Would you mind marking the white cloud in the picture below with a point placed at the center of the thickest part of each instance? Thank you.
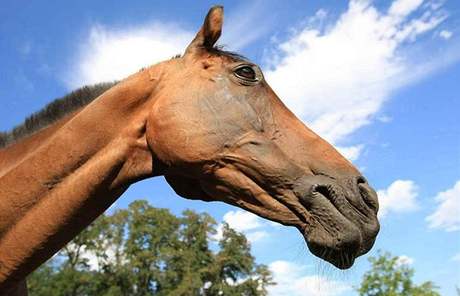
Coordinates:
(293, 280)
(110, 54)
(242, 220)
(447, 215)
(256, 235)
(399, 197)
(351, 153)
(404, 260)
(337, 75)
(404, 7)
(245, 222)
(445, 34)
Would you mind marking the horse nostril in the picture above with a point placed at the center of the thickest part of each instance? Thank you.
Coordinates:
(361, 180)
(367, 193)
(322, 189)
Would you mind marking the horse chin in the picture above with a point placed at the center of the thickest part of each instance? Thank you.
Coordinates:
(342, 258)
(187, 187)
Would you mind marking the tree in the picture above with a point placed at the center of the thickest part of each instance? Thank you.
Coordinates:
(391, 277)
(147, 251)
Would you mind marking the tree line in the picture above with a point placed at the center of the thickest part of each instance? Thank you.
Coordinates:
(144, 250)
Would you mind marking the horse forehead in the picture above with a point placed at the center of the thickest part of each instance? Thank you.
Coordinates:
(220, 58)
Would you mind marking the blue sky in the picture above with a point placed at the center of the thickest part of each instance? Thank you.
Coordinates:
(379, 79)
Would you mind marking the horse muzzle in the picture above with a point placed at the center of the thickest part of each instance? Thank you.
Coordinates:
(344, 217)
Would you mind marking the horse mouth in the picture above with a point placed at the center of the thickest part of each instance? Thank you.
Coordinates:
(334, 230)
(340, 233)
(340, 247)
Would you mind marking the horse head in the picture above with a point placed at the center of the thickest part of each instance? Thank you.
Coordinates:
(218, 132)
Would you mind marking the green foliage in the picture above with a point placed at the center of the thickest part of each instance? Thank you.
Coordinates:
(147, 251)
(390, 277)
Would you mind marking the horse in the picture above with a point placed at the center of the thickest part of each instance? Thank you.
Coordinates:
(211, 125)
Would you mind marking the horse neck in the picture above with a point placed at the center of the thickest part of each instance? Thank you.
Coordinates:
(60, 179)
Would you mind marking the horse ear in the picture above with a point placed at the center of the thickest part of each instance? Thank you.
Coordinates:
(209, 32)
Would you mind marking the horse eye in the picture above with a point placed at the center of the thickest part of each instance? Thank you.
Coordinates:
(246, 72)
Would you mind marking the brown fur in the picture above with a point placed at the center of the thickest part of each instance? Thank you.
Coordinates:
(214, 134)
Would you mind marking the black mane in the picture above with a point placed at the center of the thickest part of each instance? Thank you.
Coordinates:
(54, 111)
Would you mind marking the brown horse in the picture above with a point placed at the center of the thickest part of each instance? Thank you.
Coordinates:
(209, 123)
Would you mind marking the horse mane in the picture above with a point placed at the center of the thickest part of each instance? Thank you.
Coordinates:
(54, 111)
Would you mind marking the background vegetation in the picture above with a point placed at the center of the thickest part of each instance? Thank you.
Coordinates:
(390, 276)
(143, 250)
